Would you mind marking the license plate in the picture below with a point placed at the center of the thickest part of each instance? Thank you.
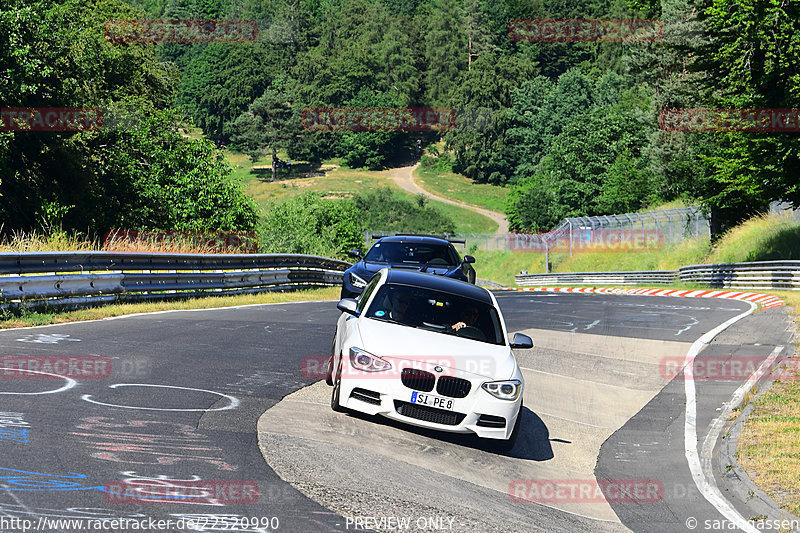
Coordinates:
(431, 401)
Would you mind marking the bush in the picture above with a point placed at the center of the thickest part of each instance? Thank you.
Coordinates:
(310, 224)
(442, 163)
(385, 210)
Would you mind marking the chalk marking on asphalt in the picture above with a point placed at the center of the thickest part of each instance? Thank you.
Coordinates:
(593, 324)
(234, 402)
(68, 385)
(599, 383)
(709, 491)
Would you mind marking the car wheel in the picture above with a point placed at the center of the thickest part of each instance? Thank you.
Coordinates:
(329, 371)
(337, 386)
(506, 446)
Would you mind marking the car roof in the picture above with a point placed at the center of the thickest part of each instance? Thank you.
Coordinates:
(419, 239)
(413, 278)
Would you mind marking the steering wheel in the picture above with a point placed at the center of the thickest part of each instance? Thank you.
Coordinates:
(471, 332)
(438, 261)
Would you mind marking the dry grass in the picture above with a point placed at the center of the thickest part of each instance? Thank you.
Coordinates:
(769, 446)
(54, 241)
(61, 241)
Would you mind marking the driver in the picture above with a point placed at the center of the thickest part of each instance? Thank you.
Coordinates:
(401, 301)
(467, 316)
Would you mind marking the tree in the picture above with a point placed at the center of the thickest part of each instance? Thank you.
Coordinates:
(445, 49)
(372, 149)
(270, 123)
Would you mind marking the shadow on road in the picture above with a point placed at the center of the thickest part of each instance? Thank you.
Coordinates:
(532, 444)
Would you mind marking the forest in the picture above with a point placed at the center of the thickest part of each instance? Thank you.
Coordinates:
(571, 128)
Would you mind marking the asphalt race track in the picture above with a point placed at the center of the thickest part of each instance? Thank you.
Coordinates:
(158, 422)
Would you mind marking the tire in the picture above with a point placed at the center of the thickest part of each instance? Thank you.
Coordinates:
(337, 386)
(329, 371)
(329, 365)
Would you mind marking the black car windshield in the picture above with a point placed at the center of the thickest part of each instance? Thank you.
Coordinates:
(412, 253)
(437, 311)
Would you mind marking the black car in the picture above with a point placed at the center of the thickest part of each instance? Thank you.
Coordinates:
(417, 252)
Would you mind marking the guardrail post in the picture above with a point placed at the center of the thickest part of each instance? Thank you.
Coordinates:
(697, 223)
(546, 257)
(569, 220)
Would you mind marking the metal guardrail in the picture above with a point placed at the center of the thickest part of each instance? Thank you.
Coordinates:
(755, 275)
(760, 275)
(70, 278)
(663, 277)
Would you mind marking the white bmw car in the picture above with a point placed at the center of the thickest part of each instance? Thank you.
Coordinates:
(428, 351)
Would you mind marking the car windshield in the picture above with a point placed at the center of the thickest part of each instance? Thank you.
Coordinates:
(437, 311)
(412, 253)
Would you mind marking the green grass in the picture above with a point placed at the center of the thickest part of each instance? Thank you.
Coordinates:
(768, 447)
(763, 238)
(466, 221)
(334, 181)
(501, 266)
(462, 189)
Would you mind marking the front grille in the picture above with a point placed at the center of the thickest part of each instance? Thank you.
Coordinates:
(428, 414)
(416, 379)
(453, 387)
(367, 396)
(491, 421)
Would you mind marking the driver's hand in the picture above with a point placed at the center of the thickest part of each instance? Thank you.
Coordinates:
(458, 325)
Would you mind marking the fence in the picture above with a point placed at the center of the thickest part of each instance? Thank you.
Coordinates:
(629, 230)
(75, 278)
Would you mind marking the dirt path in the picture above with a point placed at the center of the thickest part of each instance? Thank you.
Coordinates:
(404, 178)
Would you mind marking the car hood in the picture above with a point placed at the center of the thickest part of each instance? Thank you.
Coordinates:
(397, 343)
(374, 267)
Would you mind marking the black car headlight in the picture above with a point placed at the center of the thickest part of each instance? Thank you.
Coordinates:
(357, 281)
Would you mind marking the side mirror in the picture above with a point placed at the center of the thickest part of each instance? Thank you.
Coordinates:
(520, 341)
(349, 306)
(354, 253)
(469, 259)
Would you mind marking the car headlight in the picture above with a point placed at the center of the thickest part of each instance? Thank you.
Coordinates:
(357, 281)
(362, 360)
(504, 390)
